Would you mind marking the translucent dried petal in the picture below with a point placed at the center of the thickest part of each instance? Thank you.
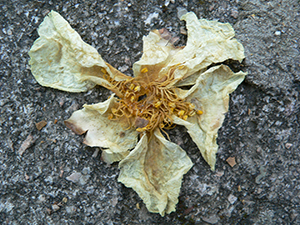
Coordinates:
(154, 169)
(110, 157)
(61, 59)
(156, 52)
(210, 94)
(101, 131)
(208, 42)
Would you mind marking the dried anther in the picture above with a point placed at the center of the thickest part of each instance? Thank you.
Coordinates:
(171, 86)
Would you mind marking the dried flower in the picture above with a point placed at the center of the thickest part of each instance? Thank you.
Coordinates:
(149, 102)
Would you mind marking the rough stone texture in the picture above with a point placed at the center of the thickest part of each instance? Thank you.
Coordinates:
(261, 129)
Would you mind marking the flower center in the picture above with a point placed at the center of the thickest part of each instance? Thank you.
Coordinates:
(149, 104)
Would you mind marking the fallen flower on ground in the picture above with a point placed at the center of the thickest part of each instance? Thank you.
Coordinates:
(171, 86)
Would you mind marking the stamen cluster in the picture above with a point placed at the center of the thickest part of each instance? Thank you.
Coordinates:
(148, 104)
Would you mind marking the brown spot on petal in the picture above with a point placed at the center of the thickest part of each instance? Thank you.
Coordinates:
(74, 128)
(122, 134)
(216, 124)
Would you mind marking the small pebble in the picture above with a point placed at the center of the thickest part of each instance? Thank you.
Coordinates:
(231, 161)
(74, 177)
(213, 219)
(55, 207)
(277, 33)
(64, 200)
(95, 154)
(41, 124)
(70, 209)
(288, 145)
(86, 170)
(26, 144)
(181, 11)
(232, 199)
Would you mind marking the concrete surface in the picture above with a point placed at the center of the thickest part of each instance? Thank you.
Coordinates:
(261, 130)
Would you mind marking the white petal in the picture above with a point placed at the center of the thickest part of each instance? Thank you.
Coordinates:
(61, 59)
(154, 169)
(157, 52)
(210, 94)
(110, 157)
(208, 42)
(101, 131)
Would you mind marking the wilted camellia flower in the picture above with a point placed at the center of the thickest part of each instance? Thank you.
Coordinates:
(171, 85)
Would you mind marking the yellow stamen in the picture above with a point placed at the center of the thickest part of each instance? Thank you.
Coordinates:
(103, 71)
(191, 106)
(132, 98)
(127, 94)
(191, 113)
(181, 113)
(144, 70)
(140, 129)
(172, 105)
(157, 104)
(132, 86)
(137, 88)
(199, 112)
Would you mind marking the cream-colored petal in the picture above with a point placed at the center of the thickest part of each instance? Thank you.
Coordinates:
(210, 94)
(101, 131)
(154, 169)
(190, 80)
(61, 59)
(156, 54)
(110, 157)
(208, 42)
